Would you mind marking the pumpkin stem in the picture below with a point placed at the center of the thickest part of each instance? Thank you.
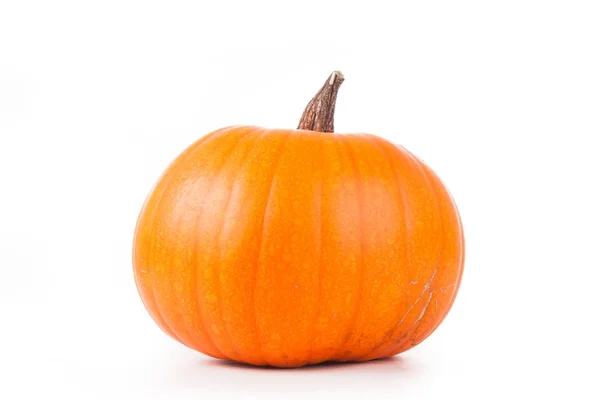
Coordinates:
(318, 114)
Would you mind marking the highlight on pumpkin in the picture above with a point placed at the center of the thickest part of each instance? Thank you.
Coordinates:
(291, 247)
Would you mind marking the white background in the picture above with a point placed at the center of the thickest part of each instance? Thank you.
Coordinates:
(501, 98)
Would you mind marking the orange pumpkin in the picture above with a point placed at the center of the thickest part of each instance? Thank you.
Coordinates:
(294, 247)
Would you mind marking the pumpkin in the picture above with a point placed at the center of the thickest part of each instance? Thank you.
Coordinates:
(294, 247)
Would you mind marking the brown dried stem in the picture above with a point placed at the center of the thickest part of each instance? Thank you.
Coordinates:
(318, 115)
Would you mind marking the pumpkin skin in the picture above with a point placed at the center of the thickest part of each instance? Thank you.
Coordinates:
(295, 247)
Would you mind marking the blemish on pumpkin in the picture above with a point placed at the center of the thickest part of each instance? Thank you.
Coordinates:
(215, 329)
(447, 287)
